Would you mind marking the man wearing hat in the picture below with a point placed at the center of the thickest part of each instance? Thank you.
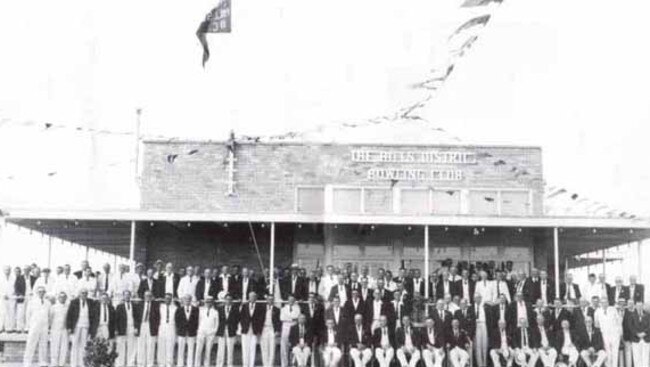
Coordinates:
(208, 325)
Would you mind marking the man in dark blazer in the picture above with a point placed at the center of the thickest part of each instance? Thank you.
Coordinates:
(407, 343)
(336, 313)
(457, 345)
(465, 287)
(340, 290)
(294, 284)
(300, 339)
(567, 342)
(126, 315)
(401, 305)
(618, 291)
(542, 339)
(441, 319)
(432, 343)
(591, 345)
(169, 281)
(147, 322)
(312, 284)
(354, 305)
(81, 322)
(467, 319)
(331, 344)
(385, 294)
(445, 286)
(524, 345)
(638, 327)
(227, 331)
(546, 289)
(315, 314)
(569, 290)
(206, 287)
(500, 345)
(187, 325)
(415, 283)
(106, 318)
(243, 285)
(636, 290)
(383, 340)
(150, 284)
(517, 310)
(224, 281)
(251, 320)
(375, 308)
(359, 342)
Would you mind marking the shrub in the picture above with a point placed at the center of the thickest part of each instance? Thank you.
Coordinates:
(99, 353)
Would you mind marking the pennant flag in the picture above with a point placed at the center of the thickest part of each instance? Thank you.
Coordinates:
(480, 20)
(472, 3)
(218, 20)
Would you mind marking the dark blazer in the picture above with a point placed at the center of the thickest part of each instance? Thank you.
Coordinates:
(558, 338)
(219, 284)
(72, 317)
(370, 309)
(636, 324)
(458, 289)
(186, 327)
(155, 288)
(317, 320)
(338, 338)
(200, 289)
(624, 292)
(400, 337)
(316, 282)
(468, 322)
(350, 310)
(595, 341)
(440, 289)
(353, 337)
(494, 339)
(536, 290)
(376, 337)
(443, 327)
(334, 292)
(439, 339)
(409, 285)
(457, 341)
(639, 293)
(329, 314)
(511, 315)
(111, 318)
(231, 321)
(237, 287)
(256, 321)
(121, 318)
(388, 295)
(163, 279)
(294, 335)
(154, 318)
(516, 337)
(20, 287)
(300, 292)
(536, 337)
(275, 319)
(564, 294)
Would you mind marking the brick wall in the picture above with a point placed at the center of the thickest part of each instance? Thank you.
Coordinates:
(268, 174)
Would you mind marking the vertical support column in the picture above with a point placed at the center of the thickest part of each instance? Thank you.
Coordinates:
(49, 252)
(604, 262)
(556, 257)
(132, 247)
(3, 229)
(87, 252)
(426, 264)
(639, 260)
(272, 260)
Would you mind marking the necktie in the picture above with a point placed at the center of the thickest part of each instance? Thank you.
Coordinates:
(290, 309)
(128, 307)
(105, 313)
(83, 303)
(167, 313)
(302, 332)
(208, 311)
(146, 312)
(498, 288)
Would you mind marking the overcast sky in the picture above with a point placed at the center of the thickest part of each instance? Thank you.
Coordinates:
(569, 76)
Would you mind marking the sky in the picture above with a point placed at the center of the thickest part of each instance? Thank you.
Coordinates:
(569, 76)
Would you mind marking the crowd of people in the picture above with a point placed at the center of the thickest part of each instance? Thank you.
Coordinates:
(328, 317)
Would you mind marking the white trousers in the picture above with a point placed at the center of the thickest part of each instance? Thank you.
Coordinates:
(204, 341)
(301, 355)
(384, 356)
(360, 358)
(529, 358)
(185, 358)
(627, 347)
(284, 344)
(4, 308)
(59, 339)
(587, 357)
(408, 357)
(481, 344)
(267, 344)
(77, 350)
(248, 348)
(640, 353)
(331, 356)
(102, 332)
(36, 338)
(225, 350)
(612, 344)
(166, 342)
(433, 358)
(572, 353)
(20, 316)
(126, 347)
(146, 347)
(458, 357)
(496, 355)
(548, 356)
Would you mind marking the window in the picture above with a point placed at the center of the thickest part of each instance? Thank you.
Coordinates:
(377, 201)
(515, 203)
(310, 200)
(483, 202)
(446, 201)
(347, 200)
(415, 201)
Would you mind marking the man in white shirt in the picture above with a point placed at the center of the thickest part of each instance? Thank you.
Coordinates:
(126, 335)
(360, 350)
(501, 346)
(80, 321)
(122, 282)
(592, 346)
(59, 336)
(104, 280)
(484, 288)
(301, 339)
(567, 343)
(137, 277)
(432, 345)
(147, 325)
(87, 282)
(267, 339)
(208, 325)
(501, 287)
(106, 318)
(592, 289)
(288, 316)
(481, 336)
(38, 315)
(166, 332)
(6, 290)
(610, 322)
(187, 284)
(408, 344)
(67, 282)
(331, 347)
(47, 282)
(328, 280)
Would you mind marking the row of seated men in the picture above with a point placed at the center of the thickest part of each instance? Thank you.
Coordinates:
(148, 331)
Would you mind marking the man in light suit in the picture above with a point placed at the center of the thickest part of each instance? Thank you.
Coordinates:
(38, 313)
(208, 326)
(59, 337)
(147, 324)
(484, 288)
(609, 321)
(167, 332)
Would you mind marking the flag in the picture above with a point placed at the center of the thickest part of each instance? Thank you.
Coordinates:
(218, 20)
